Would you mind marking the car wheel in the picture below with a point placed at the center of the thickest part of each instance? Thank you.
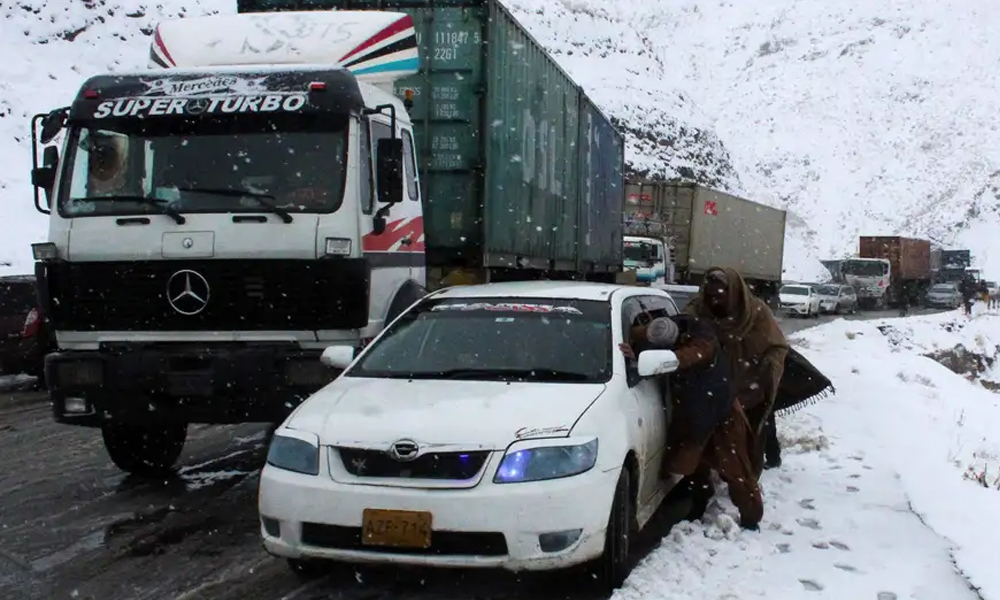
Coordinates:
(612, 567)
(144, 449)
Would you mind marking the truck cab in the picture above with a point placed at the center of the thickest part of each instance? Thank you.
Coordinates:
(219, 220)
(650, 258)
(870, 277)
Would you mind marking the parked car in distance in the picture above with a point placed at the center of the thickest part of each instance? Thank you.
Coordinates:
(836, 299)
(23, 337)
(943, 295)
(494, 425)
(799, 299)
(992, 288)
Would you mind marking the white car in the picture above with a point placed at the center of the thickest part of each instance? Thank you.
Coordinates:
(800, 300)
(495, 425)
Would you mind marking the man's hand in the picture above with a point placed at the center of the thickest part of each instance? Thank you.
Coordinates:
(627, 350)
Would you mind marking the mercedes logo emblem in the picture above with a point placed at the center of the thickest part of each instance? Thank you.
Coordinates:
(404, 450)
(196, 106)
(188, 292)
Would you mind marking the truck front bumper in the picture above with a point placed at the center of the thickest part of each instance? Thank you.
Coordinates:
(205, 384)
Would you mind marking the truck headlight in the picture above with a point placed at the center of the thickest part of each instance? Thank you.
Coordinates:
(44, 251)
(295, 451)
(546, 462)
(338, 246)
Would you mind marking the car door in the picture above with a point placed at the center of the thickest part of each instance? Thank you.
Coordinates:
(653, 396)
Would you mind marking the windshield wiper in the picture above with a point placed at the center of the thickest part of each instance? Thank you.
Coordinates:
(163, 205)
(500, 374)
(258, 197)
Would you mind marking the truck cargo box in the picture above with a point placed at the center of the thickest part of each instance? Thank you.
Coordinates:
(710, 228)
(517, 163)
(909, 258)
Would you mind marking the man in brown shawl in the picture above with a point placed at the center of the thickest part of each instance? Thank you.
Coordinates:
(756, 348)
(755, 345)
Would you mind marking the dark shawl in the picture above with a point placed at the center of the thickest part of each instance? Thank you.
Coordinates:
(801, 385)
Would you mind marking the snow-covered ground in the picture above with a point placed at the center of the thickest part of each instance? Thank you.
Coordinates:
(873, 499)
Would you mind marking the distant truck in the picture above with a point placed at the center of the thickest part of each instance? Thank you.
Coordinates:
(705, 228)
(834, 268)
(953, 265)
(889, 270)
(262, 193)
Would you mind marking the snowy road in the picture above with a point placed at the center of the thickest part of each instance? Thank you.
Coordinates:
(838, 525)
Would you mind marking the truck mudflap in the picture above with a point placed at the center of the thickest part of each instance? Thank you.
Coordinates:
(172, 383)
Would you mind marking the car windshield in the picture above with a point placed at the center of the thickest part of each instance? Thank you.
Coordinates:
(828, 290)
(496, 339)
(864, 268)
(141, 166)
(795, 290)
(943, 288)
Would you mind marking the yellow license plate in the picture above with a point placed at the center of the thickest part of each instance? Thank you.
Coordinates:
(396, 528)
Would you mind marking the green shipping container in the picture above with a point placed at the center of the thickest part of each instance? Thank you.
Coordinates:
(519, 167)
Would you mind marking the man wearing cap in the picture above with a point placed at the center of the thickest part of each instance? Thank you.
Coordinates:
(708, 429)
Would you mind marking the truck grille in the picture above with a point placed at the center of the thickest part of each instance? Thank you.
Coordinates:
(245, 295)
(452, 466)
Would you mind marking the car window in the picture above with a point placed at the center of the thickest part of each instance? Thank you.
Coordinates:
(16, 299)
(658, 306)
(496, 339)
(632, 314)
(828, 290)
(410, 166)
(795, 290)
(379, 131)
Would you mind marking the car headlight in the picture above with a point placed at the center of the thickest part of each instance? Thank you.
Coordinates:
(546, 462)
(295, 451)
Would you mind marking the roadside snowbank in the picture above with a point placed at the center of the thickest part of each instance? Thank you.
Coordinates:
(872, 500)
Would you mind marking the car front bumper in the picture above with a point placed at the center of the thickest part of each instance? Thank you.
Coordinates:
(828, 306)
(487, 526)
(795, 309)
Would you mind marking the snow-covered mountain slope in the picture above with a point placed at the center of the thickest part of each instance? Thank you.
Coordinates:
(54, 45)
(866, 117)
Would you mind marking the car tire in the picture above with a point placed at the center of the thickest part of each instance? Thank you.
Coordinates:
(145, 450)
(612, 567)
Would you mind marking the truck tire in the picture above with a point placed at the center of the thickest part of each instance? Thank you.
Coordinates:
(144, 449)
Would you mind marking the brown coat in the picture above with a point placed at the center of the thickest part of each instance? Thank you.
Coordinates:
(750, 336)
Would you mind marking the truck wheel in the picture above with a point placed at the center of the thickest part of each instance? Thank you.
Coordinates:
(611, 568)
(144, 449)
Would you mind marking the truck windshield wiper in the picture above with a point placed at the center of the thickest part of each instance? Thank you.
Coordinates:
(162, 205)
(499, 374)
(259, 198)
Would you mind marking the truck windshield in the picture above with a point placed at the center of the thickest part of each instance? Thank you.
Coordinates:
(140, 166)
(638, 251)
(864, 268)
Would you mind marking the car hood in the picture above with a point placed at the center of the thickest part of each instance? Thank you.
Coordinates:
(371, 412)
(793, 299)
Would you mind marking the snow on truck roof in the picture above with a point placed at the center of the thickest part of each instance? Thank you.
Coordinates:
(375, 46)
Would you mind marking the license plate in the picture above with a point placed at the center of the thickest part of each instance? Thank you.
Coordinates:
(396, 528)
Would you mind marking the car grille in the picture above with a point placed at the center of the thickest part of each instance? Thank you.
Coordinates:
(452, 466)
(443, 543)
(247, 295)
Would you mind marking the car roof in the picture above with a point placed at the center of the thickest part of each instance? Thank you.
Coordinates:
(567, 290)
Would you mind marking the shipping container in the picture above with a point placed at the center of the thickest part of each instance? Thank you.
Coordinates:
(909, 258)
(518, 166)
(712, 228)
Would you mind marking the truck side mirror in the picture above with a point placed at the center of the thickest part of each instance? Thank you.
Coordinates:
(389, 170)
(52, 124)
(44, 177)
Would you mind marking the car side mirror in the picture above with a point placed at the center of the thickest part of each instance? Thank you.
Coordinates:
(389, 170)
(52, 124)
(657, 362)
(337, 357)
